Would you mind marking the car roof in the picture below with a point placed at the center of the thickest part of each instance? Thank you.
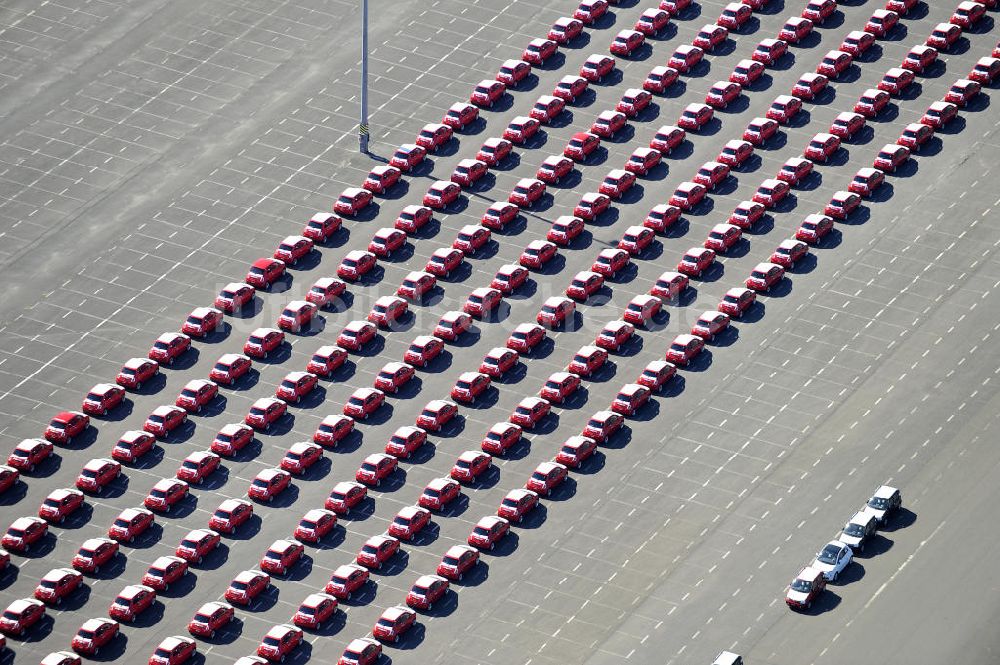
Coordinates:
(885, 492)
(409, 512)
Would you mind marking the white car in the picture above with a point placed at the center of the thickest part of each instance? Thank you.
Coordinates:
(884, 503)
(859, 530)
(832, 559)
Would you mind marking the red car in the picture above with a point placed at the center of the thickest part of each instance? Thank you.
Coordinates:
(794, 170)
(842, 204)
(617, 182)
(813, 228)
(585, 284)
(361, 651)
(363, 402)
(357, 264)
(687, 195)
(315, 525)
(746, 72)
(546, 108)
(346, 579)
(559, 387)
(652, 21)
(130, 523)
(789, 252)
(416, 284)
(696, 261)
(165, 571)
(494, 151)
(409, 521)
(784, 108)
(380, 179)
(265, 272)
(710, 36)
(169, 346)
(441, 194)
(882, 21)
(332, 429)
(264, 412)
(326, 360)
(509, 278)
(943, 36)
(795, 29)
(695, 116)
(660, 78)
(466, 173)
(771, 192)
(102, 398)
(434, 135)
(516, 504)
(387, 310)
(209, 618)
(165, 494)
(568, 89)
(195, 394)
(764, 276)
(565, 30)
(469, 386)
(490, 529)
(769, 51)
(846, 124)
(408, 156)
(230, 514)
(722, 93)
(710, 324)
(174, 650)
(526, 192)
(393, 376)
(901, 7)
(426, 591)
(735, 152)
(554, 168)
(670, 285)
(280, 556)
(436, 414)
(967, 14)
(232, 438)
(386, 241)
(137, 371)
(866, 181)
(262, 341)
(683, 350)
(500, 438)
(575, 451)
(511, 73)
(654, 376)
(809, 85)
(97, 474)
(529, 411)
(539, 50)
(498, 361)
(521, 129)
(857, 42)
(356, 335)
(871, 102)
(377, 550)
(202, 321)
(60, 504)
(985, 70)
(470, 465)
(93, 635)
(164, 419)
(596, 67)
(482, 301)
(444, 260)
(458, 560)
(294, 248)
(759, 130)
(823, 145)
(315, 610)
(819, 10)
(57, 584)
(736, 301)
(374, 468)
(834, 63)
(94, 553)
(29, 453)
(131, 602)
(537, 254)
(641, 309)
(626, 42)
(471, 238)
(487, 92)
(422, 350)
(938, 114)
(661, 217)
(228, 369)
(555, 310)
(412, 218)
(499, 214)
(631, 398)
(451, 325)
(525, 337)
(591, 205)
(590, 10)
(633, 101)
(711, 173)
(439, 493)
(300, 456)
(962, 91)
(614, 335)
(581, 145)
(246, 586)
(919, 58)
(268, 484)
(890, 157)
(320, 227)
(610, 261)
(344, 496)
(20, 616)
(915, 135)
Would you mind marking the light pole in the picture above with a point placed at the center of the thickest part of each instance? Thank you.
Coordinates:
(363, 126)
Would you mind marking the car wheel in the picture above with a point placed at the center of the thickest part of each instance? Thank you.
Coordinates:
(492, 545)
(131, 539)
(167, 509)
(59, 600)
(348, 596)
(170, 361)
(265, 354)
(378, 482)
(62, 518)
(282, 658)
(270, 498)
(430, 606)
(166, 587)
(211, 635)
(138, 386)
(460, 576)
(199, 560)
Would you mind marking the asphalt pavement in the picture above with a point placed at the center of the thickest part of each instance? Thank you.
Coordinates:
(164, 146)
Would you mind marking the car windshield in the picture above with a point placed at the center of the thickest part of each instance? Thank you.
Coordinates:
(829, 554)
(878, 503)
(369, 549)
(188, 543)
(85, 634)
(154, 572)
(432, 492)
(238, 586)
(805, 586)
(855, 530)
(162, 653)
(511, 503)
(259, 482)
(194, 320)
(12, 616)
(757, 274)
(123, 601)
(201, 618)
